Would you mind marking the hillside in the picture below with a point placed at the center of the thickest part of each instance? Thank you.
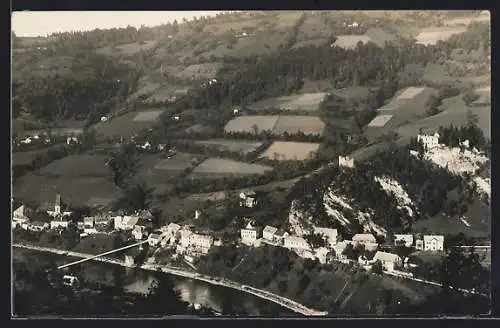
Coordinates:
(183, 117)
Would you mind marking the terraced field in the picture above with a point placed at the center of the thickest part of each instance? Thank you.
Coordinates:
(243, 147)
(282, 150)
(214, 167)
(307, 101)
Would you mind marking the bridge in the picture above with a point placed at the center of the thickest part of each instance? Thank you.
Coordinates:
(90, 258)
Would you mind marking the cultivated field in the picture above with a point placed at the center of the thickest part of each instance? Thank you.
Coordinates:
(380, 120)
(352, 92)
(281, 150)
(160, 173)
(405, 112)
(78, 166)
(351, 41)
(307, 101)
(214, 167)
(77, 191)
(243, 147)
(27, 157)
(410, 93)
(246, 123)
(431, 36)
(379, 36)
(127, 124)
(294, 124)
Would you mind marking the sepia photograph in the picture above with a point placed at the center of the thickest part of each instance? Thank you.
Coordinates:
(277, 164)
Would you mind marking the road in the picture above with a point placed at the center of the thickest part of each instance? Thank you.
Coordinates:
(283, 301)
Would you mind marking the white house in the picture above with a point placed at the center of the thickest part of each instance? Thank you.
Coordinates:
(59, 223)
(104, 118)
(295, 242)
(58, 209)
(248, 198)
(22, 214)
(201, 243)
(125, 222)
(185, 236)
(197, 214)
(250, 234)
(138, 232)
(321, 254)
(26, 141)
(280, 235)
(434, 243)
(36, 226)
(346, 161)
(330, 235)
(71, 140)
(364, 239)
(430, 141)
(172, 229)
(339, 248)
(401, 238)
(268, 233)
(419, 244)
(389, 261)
(154, 239)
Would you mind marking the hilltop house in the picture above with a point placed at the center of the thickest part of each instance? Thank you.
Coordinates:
(295, 242)
(346, 161)
(59, 208)
(406, 240)
(389, 261)
(434, 243)
(268, 233)
(250, 234)
(248, 199)
(330, 235)
(126, 222)
(430, 141)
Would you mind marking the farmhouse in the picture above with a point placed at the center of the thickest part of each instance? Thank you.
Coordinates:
(430, 141)
(248, 199)
(434, 243)
(330, 235)
(125, 222)
(389, 261)
(58, 209)
(154, 239)
(268, 233)
(250, 234)
(346, 161)
(406, 240)
(295, 242)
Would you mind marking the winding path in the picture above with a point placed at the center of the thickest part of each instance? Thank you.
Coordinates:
(283, 301)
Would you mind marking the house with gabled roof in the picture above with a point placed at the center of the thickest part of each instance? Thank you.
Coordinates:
(389, 261)
(434, 243)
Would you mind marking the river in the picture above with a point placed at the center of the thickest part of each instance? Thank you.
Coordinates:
(137, 280)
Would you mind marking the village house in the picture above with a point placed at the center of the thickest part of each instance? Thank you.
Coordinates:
(21, 215)
(339, 249)
(295, 242)
(138, 232)
(89, 225)
(430, 141)
(171, 230)
(185, 234)
(433, 243)
(321, 254)
(405, 240)
(80, 225)
(126, 222)
(72, 140)
(250, 234)
(346, 162)
(102, 221)
(201, 243)
(248, 199)
(58, 208)
(330, 235)
(366, 239)
(59, 223)
(154, 239)
(419, 244)
(268, 233)
(389, 261)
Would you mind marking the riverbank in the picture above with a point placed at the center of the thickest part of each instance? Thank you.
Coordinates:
(282, 301)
